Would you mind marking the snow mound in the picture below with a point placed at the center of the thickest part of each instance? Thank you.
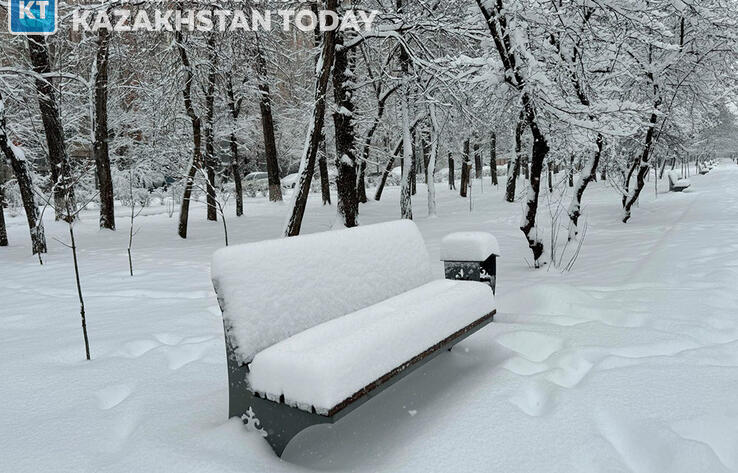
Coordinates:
(469, 246)
(271, 290)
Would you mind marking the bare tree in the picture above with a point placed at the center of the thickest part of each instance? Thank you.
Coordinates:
(19, 165)
(196, 163)
(102, 136)
(315, 132)
(267, 124)
(58, 159)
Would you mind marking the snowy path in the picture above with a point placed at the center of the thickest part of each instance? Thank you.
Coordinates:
(630, 363)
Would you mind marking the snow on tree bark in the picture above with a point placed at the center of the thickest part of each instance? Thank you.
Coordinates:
(495, 15)
(451, 172)
(212, 213)
(196, 163)
(430, 169)
(478, 171)
(267, 124)
(61, 171)
(588, 174)
(19, 165)
(493, 158)
(235, 111)
(344, 84)
(513, 167)
(102, 136)
(315, 132)
(465, 170)
(3, 229)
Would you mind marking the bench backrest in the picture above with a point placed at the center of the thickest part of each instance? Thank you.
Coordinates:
(271, 290)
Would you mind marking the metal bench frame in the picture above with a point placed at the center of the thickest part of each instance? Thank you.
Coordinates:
(282, 422)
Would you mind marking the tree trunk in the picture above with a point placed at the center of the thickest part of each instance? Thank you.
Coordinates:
(18, 164)
(588, 174)
(493, 158)
(267, 125)
(196, 163)
(325, 179)
(391, 163)
(497, 22)
(3, 230)
(524, 164)
(343, 119)
(414, 168)
(513, 168)
(451, 172)
(102, 137)
(61, 172)
(361, 183)
(478, 170)
(538, 157)
(430, 168)
(209, 132)
(406, 206)
(315, 133)
(465, 170)
(571, 170)
(642, 164)
(381, 107)
(235, 109)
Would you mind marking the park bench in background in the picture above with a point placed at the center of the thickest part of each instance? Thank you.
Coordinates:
(317, 325)
(676, 183)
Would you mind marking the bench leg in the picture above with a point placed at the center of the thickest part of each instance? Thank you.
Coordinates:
(280, 422)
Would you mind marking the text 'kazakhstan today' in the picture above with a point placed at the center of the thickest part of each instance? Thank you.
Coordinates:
(216, 19)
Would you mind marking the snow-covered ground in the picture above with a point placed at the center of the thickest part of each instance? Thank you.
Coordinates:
(628, 363)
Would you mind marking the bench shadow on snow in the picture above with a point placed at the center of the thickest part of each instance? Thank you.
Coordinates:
(388, 424)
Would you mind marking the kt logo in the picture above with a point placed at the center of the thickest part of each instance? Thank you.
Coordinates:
(27, 17)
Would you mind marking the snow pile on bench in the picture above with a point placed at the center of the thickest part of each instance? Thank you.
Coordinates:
(271, 290)
(677, 181)
(469, 246)
(328, 364)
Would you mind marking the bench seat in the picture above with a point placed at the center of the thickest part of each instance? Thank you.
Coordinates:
(329, 364)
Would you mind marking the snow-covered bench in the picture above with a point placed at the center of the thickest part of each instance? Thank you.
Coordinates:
(316, 325)
(676, 183)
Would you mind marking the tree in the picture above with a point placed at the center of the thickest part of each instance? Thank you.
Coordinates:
(493, 157)
(497, 20)
(315, 132)
(61, 173)
(344, 80)
(101, 149)
(465, 170)
(267, 124)
(234, 107)
(196, 162)
(17, 159)
(208, 131)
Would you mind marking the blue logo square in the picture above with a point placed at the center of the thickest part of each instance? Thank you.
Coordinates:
(28, 17)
